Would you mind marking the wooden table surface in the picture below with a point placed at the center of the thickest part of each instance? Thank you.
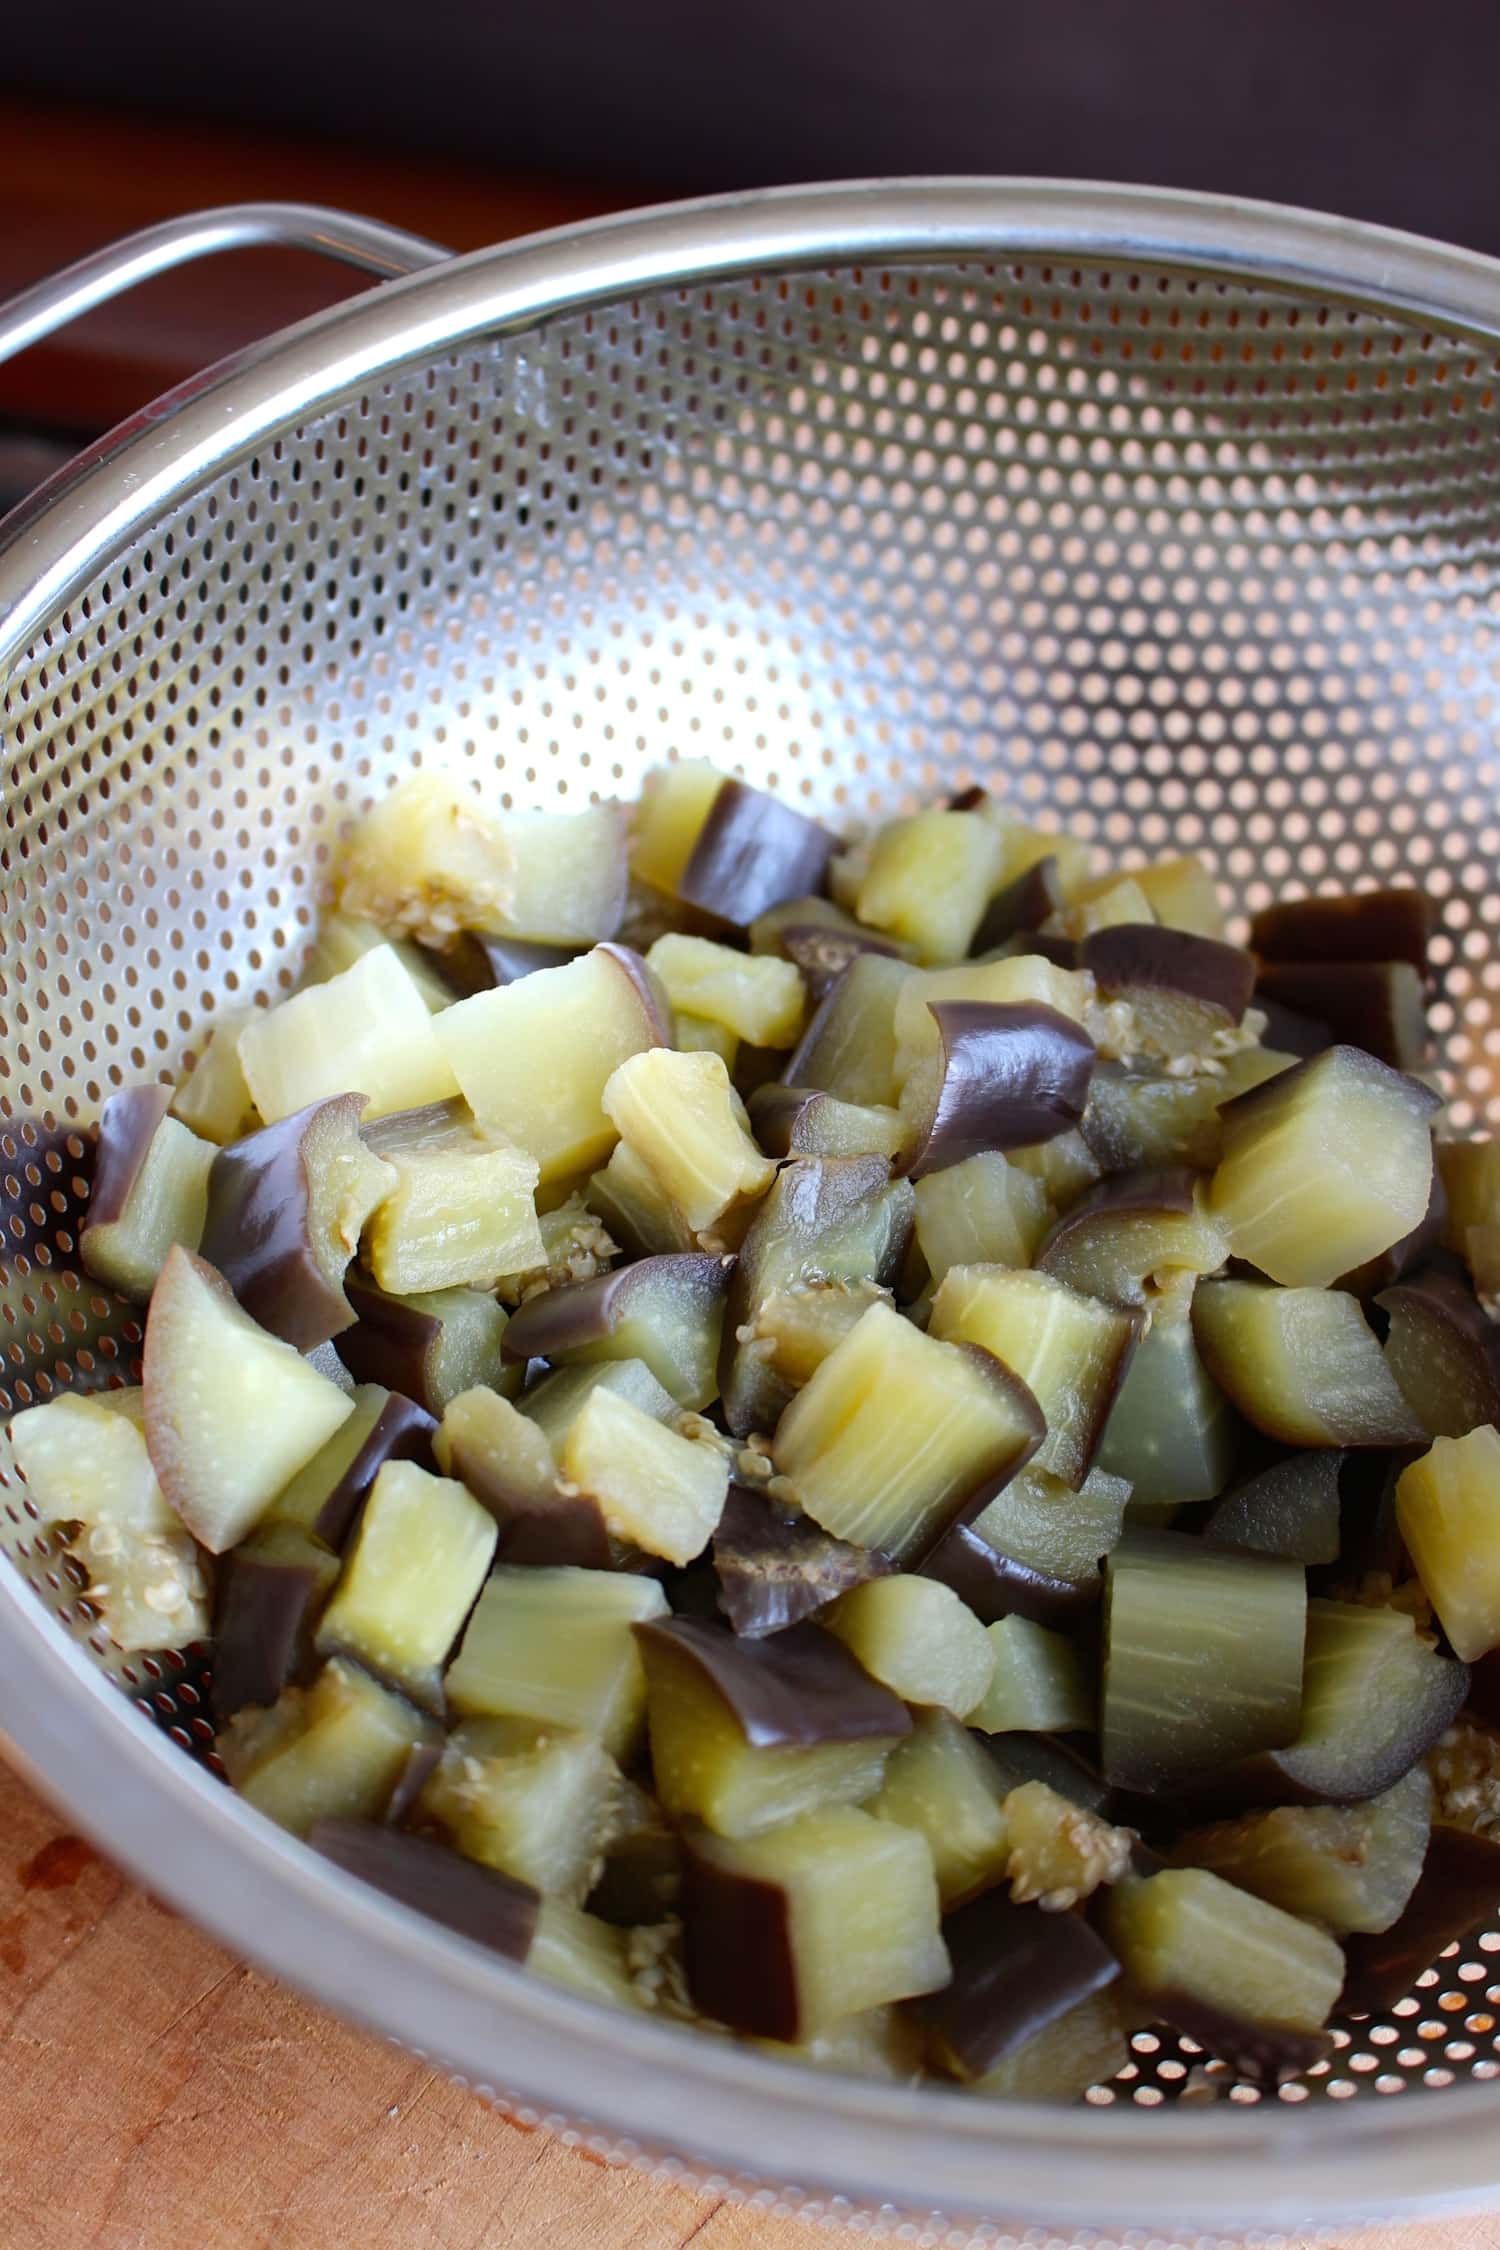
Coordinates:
(160, 2094)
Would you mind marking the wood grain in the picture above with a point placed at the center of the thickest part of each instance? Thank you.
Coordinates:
(160, 2093)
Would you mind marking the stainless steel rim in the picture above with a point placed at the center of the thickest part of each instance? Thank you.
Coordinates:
(1219, 2169)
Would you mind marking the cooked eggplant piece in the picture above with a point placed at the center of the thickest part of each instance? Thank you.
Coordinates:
(506, 1460)
(636, 1208)
(749, 1733)
(1251, 1984)
(536, 1802)
(1112, 900)
(768, 932)
(667, 1311)
(1301, 1364)
(1470, 1172)
(1375, 1698)
(459, 1210)
(821, 951)
(774, 1570)
(285, 1210)
(478, 1903)
(213, 1100)
(1403, 1257)
(1022, 847)
(1028, 900)
(419, 1556)
(270, 1594)
(640, 1874)
(1392, 925)
(232, 1413)
(576, 1246)
(985, 1211)
(367, 1030)
(1005, 1077)
(849, 1047)
(942, 1781)
(831, 1914)
(1038, 1683)
(342, 939)
(1066, 1167)
(1202, 1659)
(916, 1636)
(555, 1645)
(533, 1059)
(1025, 981)
(929, 880)
(1448, 1510)
(1183, 894)
(150, 1190)
(1185, 992)
(323, 1498)
(1136, 1239)
(1291, 1509)
(657, 1490)
(995, 1584)
(1035, 1550)
(1147, 1117)
(1347, 1867)
(681, 1116)
(1374, 1005)
(1324, 1166)
(1016, 1974)
(755, 996)
(1061, 1851)
(879, 2043)
(1458, 1889)
(897, 1436)
(90, 1479)
(556, 1402)
(1172, 1435)
(1088, 2046)
(697, 1035)
(668, 818)
(824, 1218)
(331, 1751)
(429, 1346)
(1443, 1351)
(1069, 1350)
(583, 1954)
(746, 852)
(803, 1324)
(797, 1121)
(478, 963)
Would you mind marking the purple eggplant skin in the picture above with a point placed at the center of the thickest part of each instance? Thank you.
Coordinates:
(579, 1313)
(1392, 925)
(476, 1902)
(995, 1585)
(1484, 1689)
(1459, 1888)
(422, 1761)
(1147, 953)
(1376, 1005)
(737, 1949)
(402, 1431)
(1015, 1971)
(1439, 1328)
(777, 1113)
(1262, 2053)
(127, 1126)
(751, 853)
(391, 1343)
(794, 1689)
(257, 1232)
(1414, 1249)
(1013, 1074)
(1032, 899)
(1169, 1189)
(821, 953)
(1289, 1032)
(267, 1605)
(773, 1570)
(1292, 1509)
(478, 964)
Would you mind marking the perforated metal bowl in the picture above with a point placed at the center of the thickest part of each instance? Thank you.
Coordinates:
(1176, 521)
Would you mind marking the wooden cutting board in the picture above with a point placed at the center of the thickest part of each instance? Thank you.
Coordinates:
(161, 2096)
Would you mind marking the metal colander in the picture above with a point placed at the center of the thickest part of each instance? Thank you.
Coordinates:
(1176, 522)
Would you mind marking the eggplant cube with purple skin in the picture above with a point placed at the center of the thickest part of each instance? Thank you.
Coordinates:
(1448, 1508)
(1006, 1077)
(757, 997)
(333, 1750)
(419, 1557)
(150, 1191)
(1138, 1239)
(429, 1346)
(680, 1114)
(326, 1495)
(1016, 1971)
(656, 1489)
(555, 1644)
(459, 1210)
(1301, 1364)
(367, 1030)
(506, 1460)
(667, 1311)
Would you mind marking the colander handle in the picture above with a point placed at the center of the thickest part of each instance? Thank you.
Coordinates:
(363, 243)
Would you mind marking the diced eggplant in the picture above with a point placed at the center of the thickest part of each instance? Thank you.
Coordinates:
(681, 1116)
(915, 1635)
(879, 2043)
(897, 1436)
(1301, 1364)
(1022, 905)
(1291, 1509)
(1392, 925)
(1088, 2046)
(942, 1781)
(929, 880)
(657, 1490)
(849, 1047)
(271, 1592)
(1253, 1985)
(459, 1210)
(985, 1211)
(1060, 1851)
(1069, 1350)
(332, 1751)
(1291, 1032)
(667, 1311)
(1025, 981)
(285, 1211)
(232, 1413)
(1137, 1238)
(91, 1481)
(555, 1645)
(824, 1218)
(536, 1802)
(1016, 1973)
(1035, 1551)
(582, 1954)
(150, 1191)
(1403, 1257)
(748, 854)
(775, 1570)
(1324, 1166)
(636, 1208)
(1348, 1867)
(804, 1323)
(1448, 1511)
(640, 1875)
(1374, 1005)
(757, 997)
(1038, 1684)
(342, 939)
(1203, 1658)
(1004, 1077)
(1066, 1167)
(993, 1583)
(701, 1035)
(1458, 1889)
(1375, 1698)
(831, 1914)
(1184, 992)
(419, 1557)
(1471, 1176)
(478, 963)
(429, 1346)
(506, 1460)
(367, 1030)
(556, 1402)
(797, 1121)
(576, 1246)
(1172, 1434)
(478, 1903)
(1183, 894)
(213, 1100)
(821, 951)
(749, 1733)
(668, 818)
(1022, 847)
(1146, 1116)
(1443, 1350)
(1113, 901)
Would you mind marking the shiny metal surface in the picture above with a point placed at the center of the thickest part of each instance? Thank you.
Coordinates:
(1176, 522)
